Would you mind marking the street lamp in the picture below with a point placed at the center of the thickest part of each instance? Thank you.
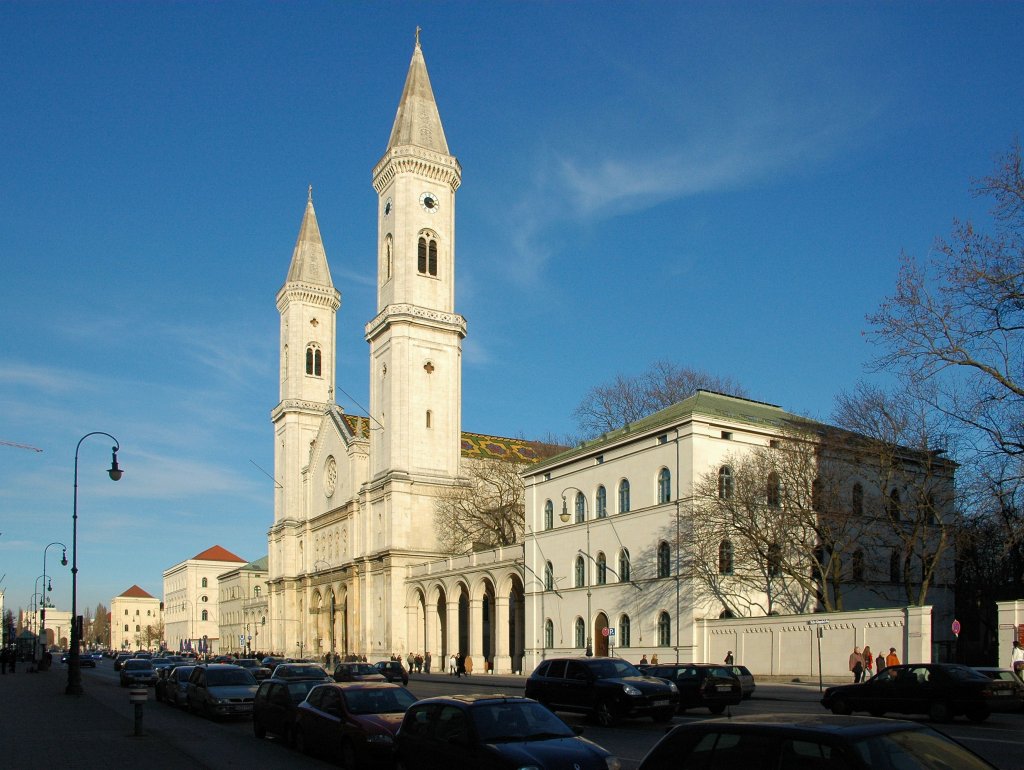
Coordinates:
(564, 516)
(74, 686)
(42, 611)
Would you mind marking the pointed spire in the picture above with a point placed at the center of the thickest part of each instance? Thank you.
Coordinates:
(418, 121)
(309, 260)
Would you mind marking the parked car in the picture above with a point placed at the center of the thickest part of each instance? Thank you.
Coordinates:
(1004, 675)
(608, 689)
(494, 732)
(393, 671)
(220, 690)
(747, 684)
(259, 671)
(940, 690)
(172, 685)
(301, 671)
(138, 671)
(276, 704)
(803, 741)
(167, 661)
(357, 672)
(701, 685)
(120, 659)
(353, 723)
(85, 660)
(271, 662)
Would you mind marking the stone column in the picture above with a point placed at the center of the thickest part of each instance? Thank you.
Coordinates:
(415, 644)
(502, 659)
(430, 637)
(452, 647)
(476, 639)
(917, 645)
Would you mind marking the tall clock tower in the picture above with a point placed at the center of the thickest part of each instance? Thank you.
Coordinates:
(416, 337)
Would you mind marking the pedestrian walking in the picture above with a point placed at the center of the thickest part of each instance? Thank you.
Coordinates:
(856, 664)
(412, 662)
(460, 665)
(643, 659)
(869, 662)
(729, 660)
(426, 663)
(1017, 659)
(892, 659)
(451, 665)
(880, 662)
(654, 660)
(467, 664)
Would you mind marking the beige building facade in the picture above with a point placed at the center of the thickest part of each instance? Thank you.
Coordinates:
(242, 600)
(191, 599)
(136, 621)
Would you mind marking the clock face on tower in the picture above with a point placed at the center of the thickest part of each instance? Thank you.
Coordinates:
(429, 202)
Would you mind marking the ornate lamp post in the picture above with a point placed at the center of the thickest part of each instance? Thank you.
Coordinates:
(564, 516)
(42, 611)
(74, 686)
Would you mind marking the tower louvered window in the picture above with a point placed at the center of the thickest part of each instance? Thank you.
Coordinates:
(313, 365)
(426, 256)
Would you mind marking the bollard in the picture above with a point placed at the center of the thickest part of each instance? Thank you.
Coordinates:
(138, 696)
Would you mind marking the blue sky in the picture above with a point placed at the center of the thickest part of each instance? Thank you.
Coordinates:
(725, 185)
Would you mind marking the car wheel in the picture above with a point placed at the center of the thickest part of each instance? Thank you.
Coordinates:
(603, 714)
(258, 730)
(348, 756)
(662, 715)
(718, 708)
(977, 713)
(940, 712)
(841, 707)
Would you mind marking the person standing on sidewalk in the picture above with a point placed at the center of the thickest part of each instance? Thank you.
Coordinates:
(856, 664)
(869, 662)
(892, 659)
(1017, 659)
(426, 663)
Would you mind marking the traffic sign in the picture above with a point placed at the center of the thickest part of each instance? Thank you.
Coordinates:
(956, 628)
(604, 631)
(611, 632)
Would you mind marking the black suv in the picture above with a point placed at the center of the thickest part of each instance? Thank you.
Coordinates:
(605, 688)
(701, 685)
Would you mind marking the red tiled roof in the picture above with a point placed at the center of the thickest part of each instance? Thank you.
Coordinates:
(216, 553)
(138, 593)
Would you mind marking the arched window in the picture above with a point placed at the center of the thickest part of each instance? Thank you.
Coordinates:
(313, 361)
(126, 628)
(858, 565)
(581, 572)
(774, 560)
(857, 499)
(580, 633)
(774, 490)
(892, 507)
(429, 418)
(895, 567)
(664, 630)
(602, 502)
(624, 566)
(386, 272)
(549, 515)
(664, 560)
(725, 483)
(549, 633)
(426, 256)
(664, 486)
(581, 508)
(624, 496)
(206, 615)
(725, 552)
(602, 568)
(817, 496)
(256, 591)
(204, 583)
(549, 577)
(138, 628)
(624, 631)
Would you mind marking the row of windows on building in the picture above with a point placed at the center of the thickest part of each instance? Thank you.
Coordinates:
(426, 255)
(137, 612)
(622, 575)
(622, 636)
(664, 495)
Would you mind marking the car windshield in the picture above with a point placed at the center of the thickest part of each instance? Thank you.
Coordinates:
(612, 669)
(915, 750)
(298, 691)
(182, 672)
(720, 671)
(137, 665)
(378, 700)
(517, 721)
(247, 663)
(963, 673)
(228, 677)
(288, 671)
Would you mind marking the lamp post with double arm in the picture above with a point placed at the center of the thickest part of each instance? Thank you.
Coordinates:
(74, 686)
(564, 516)
(42, 611)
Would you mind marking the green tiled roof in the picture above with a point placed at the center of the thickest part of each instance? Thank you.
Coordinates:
(498, 448)
(360, 426)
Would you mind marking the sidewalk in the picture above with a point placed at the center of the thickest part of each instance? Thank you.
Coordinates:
(40, 726)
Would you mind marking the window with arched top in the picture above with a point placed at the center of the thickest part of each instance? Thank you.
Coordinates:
(624, 567)
(857, 499)
(664, 630)
(580, 572)
(725, 556)
(387, 257)
(773, 490)
(204, 583)
(602, 568)
(426, 254)
(313, 360)
(664, 560)
(549, 515)
(580, 633)
(601, 502)
(725, 486)
(581, 508)
(549, 633)
(624, 496)
(623, 640)
(664, 486)
(206, 615)
(549, 577)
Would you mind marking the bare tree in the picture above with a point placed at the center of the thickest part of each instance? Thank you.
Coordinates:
(486, 512)
(953, 328)
(627, 399)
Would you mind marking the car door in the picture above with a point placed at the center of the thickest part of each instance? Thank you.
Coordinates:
(553, 685)
(578, 686)
(416, 737)
(455, 744)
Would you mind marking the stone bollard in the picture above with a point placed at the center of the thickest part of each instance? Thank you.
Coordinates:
(138, 696)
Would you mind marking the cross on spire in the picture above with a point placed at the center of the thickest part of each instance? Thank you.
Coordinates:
(418, 29)
(310, 198)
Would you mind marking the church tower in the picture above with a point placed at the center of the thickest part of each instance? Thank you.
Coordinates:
(307, 303)
(416, 338)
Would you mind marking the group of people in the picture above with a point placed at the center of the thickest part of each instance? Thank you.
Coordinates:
(644, 661)
(8, 657)
(416, 662)
(863, 665)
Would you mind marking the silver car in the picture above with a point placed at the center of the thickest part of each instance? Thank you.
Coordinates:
(221, 690)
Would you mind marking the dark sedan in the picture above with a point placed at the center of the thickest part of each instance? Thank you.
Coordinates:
(352, 723)
(357, 672)
(301, 671)
(769, 741)
(393, 671)
(172, 685)
(497, 732)
(940, 690)
(701, 685)
(276, 704)
(137, 671)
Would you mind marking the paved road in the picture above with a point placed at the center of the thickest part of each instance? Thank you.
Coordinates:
(232, 744)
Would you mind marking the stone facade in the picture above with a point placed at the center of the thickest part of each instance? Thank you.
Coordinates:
(136, 621)
(191, 595)
(242, 608)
